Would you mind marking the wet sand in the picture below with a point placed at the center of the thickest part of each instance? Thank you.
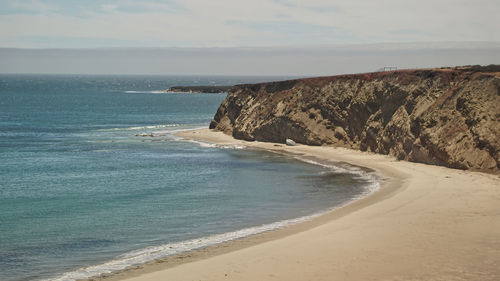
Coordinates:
(425, 223)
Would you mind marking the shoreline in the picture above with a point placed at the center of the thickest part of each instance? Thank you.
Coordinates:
(289, 227)
(272, 261)
(388, 183)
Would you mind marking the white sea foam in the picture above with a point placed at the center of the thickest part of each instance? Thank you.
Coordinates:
(223, 146)
(357, 172)
(370, 177)
(203, 144)
(146, 92)
(140, 128)
(171, 134)
(158, 252)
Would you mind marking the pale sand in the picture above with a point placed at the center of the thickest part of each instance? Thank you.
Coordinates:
(426, 223)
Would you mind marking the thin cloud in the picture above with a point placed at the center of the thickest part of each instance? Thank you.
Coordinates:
(191, 23)
(28, 7)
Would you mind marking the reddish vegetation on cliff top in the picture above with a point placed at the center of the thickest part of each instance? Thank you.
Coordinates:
(447, 117)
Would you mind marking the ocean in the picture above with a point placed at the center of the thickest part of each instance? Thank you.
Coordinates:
(93, 179)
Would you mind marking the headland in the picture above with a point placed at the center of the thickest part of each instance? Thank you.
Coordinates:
(432, 137)
(447, 116)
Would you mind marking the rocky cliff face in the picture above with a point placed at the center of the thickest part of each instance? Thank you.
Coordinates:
(447, 117)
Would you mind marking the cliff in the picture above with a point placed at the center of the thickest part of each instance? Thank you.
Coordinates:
(447, 117)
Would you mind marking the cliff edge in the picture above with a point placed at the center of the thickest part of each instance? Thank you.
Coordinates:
(448, 116)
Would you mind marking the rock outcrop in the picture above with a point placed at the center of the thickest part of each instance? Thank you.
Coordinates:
(448, 117)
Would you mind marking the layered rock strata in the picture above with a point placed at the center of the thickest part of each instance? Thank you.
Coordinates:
(448, 117)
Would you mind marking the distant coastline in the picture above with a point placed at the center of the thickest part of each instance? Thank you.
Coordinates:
(199, 89)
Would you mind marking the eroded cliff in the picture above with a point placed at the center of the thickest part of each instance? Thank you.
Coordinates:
(447, 117)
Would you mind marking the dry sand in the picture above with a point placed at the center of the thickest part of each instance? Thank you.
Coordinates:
(426, 223)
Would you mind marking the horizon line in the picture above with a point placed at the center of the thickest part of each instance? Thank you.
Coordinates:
(304, 46)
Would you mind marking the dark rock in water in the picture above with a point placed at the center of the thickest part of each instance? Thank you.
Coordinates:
(447, 116)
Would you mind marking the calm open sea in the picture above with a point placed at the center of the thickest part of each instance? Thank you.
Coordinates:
(81, 194)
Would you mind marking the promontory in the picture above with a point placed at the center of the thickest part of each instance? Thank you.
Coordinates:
(447, 116)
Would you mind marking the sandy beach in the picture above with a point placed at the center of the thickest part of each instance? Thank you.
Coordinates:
(425, 223)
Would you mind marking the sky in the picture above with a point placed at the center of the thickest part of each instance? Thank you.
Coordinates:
(177, 30)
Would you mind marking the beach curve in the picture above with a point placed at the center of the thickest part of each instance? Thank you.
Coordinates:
(426, 223)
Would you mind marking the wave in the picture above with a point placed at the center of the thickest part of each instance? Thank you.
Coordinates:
(171, 134)
(158, 252)
(146, 92)
(152, 253)
(140, 128)
(335, 168)
(223, 146)
(338, 168)
(357, 172)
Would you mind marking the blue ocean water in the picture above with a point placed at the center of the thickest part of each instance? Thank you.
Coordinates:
(82, 193)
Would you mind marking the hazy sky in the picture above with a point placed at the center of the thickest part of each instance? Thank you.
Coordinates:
(246, 30)
(217, 23)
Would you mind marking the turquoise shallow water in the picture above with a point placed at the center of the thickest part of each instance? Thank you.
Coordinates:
(79, 188)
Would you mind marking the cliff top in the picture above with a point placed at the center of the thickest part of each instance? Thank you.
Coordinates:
(407, 76)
